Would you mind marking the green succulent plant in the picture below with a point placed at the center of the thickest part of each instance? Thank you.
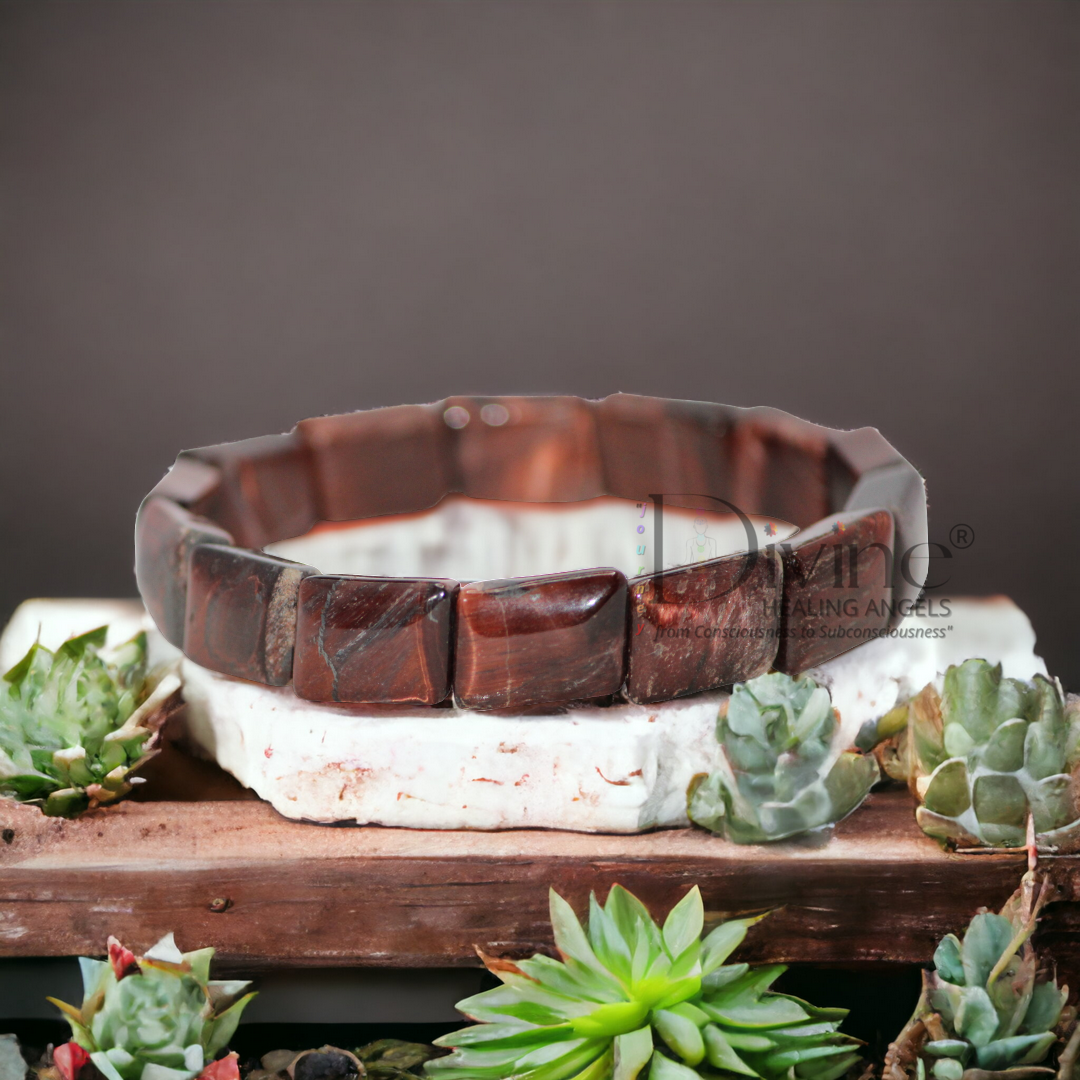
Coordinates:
(629, 998)
(781, 774)
(393, 1059)
(989, 1007)
(75, 723)
(156, 1017)
(983, 753)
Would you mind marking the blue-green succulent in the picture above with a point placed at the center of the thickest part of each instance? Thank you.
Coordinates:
(782, 773)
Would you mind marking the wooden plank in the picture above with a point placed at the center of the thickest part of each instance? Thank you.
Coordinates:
(302, 894)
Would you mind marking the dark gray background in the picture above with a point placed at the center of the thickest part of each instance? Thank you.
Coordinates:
(219, 218)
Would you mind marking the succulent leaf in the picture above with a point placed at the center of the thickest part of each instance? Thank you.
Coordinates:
(72, 722)
(153, 1018)
(641, 1001)
(990, 1002)
(984, 753)
(782, 774)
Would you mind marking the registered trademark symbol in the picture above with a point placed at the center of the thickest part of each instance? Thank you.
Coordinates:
(962, 536)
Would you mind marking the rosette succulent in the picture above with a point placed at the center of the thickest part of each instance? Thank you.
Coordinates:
(983, 753)
(155, 1017)
(393, 1059)
(631, 999)
(989, 1007)
(782, 773)
(75, 723)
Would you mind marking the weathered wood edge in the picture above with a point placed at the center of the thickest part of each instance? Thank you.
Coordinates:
(269, 892)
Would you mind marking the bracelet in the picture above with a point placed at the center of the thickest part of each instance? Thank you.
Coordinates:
(846, 576)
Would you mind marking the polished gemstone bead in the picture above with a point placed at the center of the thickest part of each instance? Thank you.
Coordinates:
(384, 461)
(653, 446)
(267, 488)
(374, 639)
(882, 478)
(837, 588)
(780, 466)
(188, 482)
(165, 535)
(540, 640)
(704, 626)
(241, 612)
(527, 449)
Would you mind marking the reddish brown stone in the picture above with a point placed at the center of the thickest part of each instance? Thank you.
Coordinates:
(551, 639)
(541, 449)
(241, 612)
(703, 626)
(165, 535)
(267, 488)
(831, 605)
(384, 461)
(188, 482)
(374, 639)
(840, 478)
(863, 449)
(780, 465)
(656, 446)
(884, 479)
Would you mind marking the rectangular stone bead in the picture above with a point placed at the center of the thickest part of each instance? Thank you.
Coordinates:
(369, 639)
(525, 449)
(241, 613)
(781, 467)
(828, 608)
(165, 536)
(885, 479)
(188, 482)
(382, 461)
(703, 626)
(267, 488)
(672, 448)
(540, 640)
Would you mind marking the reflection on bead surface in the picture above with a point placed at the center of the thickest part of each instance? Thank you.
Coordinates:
(702, 627)
(241, 613)
(551, 639)
(374, 639)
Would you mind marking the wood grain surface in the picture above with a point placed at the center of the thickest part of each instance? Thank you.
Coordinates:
(269, 892)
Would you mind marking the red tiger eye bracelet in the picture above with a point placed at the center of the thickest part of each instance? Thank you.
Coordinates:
(545, 639)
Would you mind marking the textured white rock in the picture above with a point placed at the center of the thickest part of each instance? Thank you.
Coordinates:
(620, 769)
(595, 770)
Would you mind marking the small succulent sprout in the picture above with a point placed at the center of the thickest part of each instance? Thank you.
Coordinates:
(782, 772)
(75, 724)
(393, 1059)
(983, 753)
(629, 999)
(155, 1017)
(991, 1005)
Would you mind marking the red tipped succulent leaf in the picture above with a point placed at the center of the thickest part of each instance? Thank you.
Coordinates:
(123, 960)
(225, 1068)
(69, 1060)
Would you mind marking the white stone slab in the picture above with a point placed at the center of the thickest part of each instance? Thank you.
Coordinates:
(621, 769)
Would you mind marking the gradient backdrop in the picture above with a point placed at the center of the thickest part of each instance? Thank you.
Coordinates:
(218, 218)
